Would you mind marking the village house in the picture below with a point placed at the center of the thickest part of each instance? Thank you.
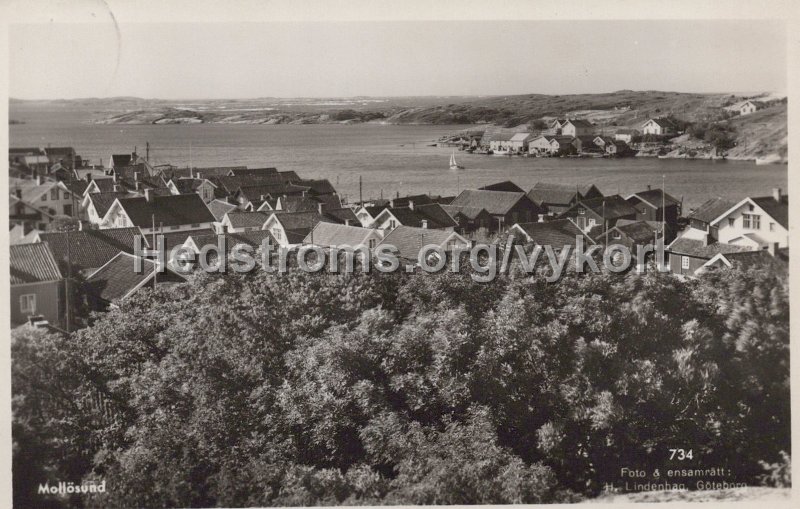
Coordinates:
(687, 256)
(656, 205)
(506, 186)
(409, 241)
(519, 142)
(778, 259)
(541, 145)
(421, 216)
(19, 234)
(238, 221)
(339, 235)
(557, 233)
(626, 135)
(577, 127)
(35, 203)
(94, 206)
(291, 228)
(556, 198)
(585, 144)
(506, 208)
(602, 213)
(750, 107)
(219, 208)
(118, 279)
(203, 187)
(182, 212)
(755, 222)
(211, 242)
(631, 234)
(554, 127)
(84, 251)
(257, 194)
(659, 127)
(501, 142)
(37, 284)
(470, 220)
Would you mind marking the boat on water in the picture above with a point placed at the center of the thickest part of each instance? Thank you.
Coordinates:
(770, 159)
(501, 152)
(453, 164)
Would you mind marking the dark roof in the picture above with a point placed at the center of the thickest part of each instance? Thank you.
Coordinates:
(171, 210)
(242, 219)
(506, 185)
(121, 159)
(497, 203)
(32, 263)
(778, 210)
(298, 203)
(303, 220)
(103, 201)
(610, 207)
(638, 231)
(546, 193)
(653, 196)
(170, 173)
(417, 199)
(77, 187)
(699, 249)
(118, 277)
(255, 192)
(409, 240)
(186, 185)
(759, 258)
(332, 234)
(468, 212)
(711, 209)
(219, 208)
(175, 239)
(89, 249)
(253, 238)
(557, 233)
(342, 214)
(105, 185)
(243, 171)
(436, 215)
(579, 122)
(319, 186)
(663, 122)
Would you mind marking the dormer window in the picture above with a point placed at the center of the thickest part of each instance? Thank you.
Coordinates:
(581, 211)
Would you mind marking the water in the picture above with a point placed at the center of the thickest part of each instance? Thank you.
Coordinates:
(389, 159)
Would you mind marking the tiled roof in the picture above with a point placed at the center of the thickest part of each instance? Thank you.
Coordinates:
(275, 190)
(171, 210)
(712, 209)
(186, 185)
(468, 212)
(319, 186)
(171, 173)
(89, 249)
(175, 239)
(639, 231)
(298, 203)
(118, 277)
(103, 201)
(32, 263)
(329, 201)
(698, 248)
(663, 122)
(417, 199)
(302, 220)
(331, 234)
(506, 186)
(409, 240)
(219, 208)
(241, 219)
(77, 187)
(253, 238)
(778, 210)
(241, 172)
(557, 233)
(497, 203)
(105, 185)
(653, 196)
(546, 193)
(436, 215)
(610, 207)
(342, 214)
(577, 122)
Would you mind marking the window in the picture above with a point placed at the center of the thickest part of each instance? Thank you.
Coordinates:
(67, 210)
(277, 233)
(731, 222)
(372, 243)
(66, 195)
(44, 197)
(196, 225)
(756, 222)
(392, 224)
(617, 235)
(581, 211)
(27, 303)
(684, 262)
(751, 207)
(174, 227)
(592, 222)
(772, 227)
(746, 220)
(54, 193)
(751, 221)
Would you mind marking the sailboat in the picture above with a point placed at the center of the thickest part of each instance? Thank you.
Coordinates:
(453, 164)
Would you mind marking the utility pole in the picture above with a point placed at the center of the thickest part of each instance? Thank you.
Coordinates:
(360, 192)
(147, 151)
(67, 285)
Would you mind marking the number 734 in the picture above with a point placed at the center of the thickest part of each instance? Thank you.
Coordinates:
(680, 454)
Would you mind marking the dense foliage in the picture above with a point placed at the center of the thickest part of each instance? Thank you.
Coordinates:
(303, 389)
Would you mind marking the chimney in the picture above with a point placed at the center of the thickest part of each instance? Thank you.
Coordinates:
(410, 204)
(199, 175)
(148, 195)
(391, 204)
(138, 185)
(18, 192)
(347, 222)
(117, 188)
(648, 187)
(425, 223)
(776, 193)
(772, 247)
(262, 198)
(319, 207)
(136, 176)
(39, 179)
(88, 177)
(706, 238)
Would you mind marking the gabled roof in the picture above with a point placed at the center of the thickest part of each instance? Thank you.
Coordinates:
(557, 233)
(409, 240)
(436, 215)
(241, 219)
(318, 186)
(712, 209)
(32, 263)
(578, 122)
(104, 185)
(342, 214)
(548, 193)
(699, 249)
(502, 136)
(640, 232)
(506, 186)
(301, 220)
(118, 278)
(187, 185)
(298, 203)
(611, 207)
(332, 234)
(219, 208)
(170, 210)
(171, 173)
(653, 198)
(470, 213)
(121, 159)
(255, 192)
(403, 201)
(253, 238)
(662, 122)
(89, 249)
(778, 210)
(243, 171)
(103, 201)
(522, 137)
(497, 203)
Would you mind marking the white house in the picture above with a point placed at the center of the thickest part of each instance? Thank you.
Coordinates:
(519, 142)
(658, 127)
(577, 127)
(340, 235)
(756, 222)
(409, 241)
(170, 213)
(626, 135)
(750, 107)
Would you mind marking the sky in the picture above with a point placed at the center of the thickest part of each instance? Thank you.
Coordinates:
(404, 58)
